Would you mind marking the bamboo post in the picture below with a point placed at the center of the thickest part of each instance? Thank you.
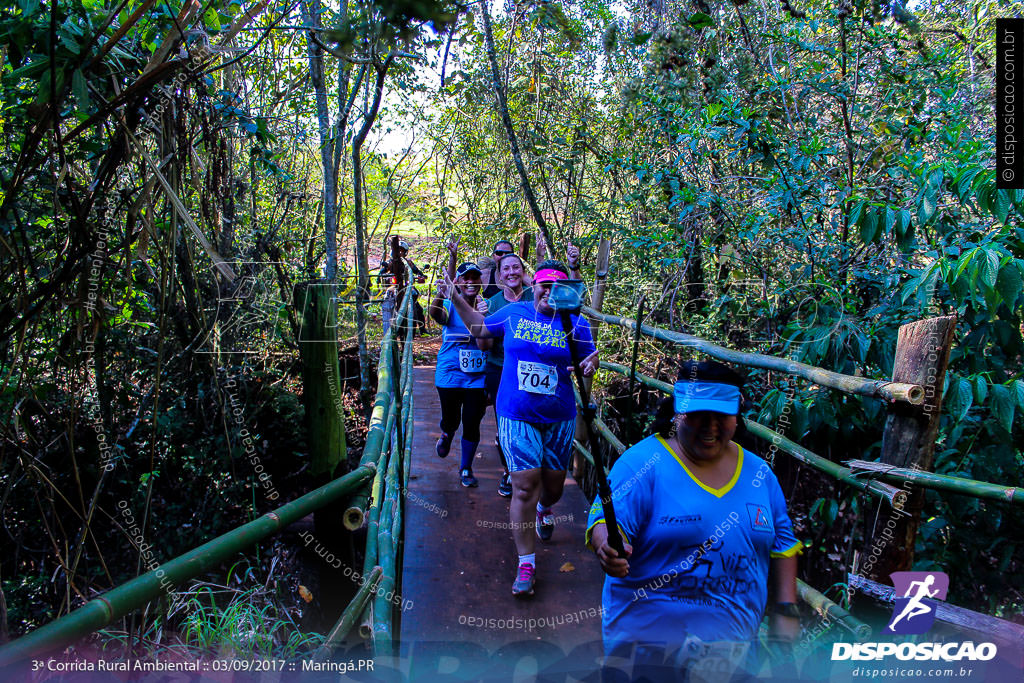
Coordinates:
(604, 252)
(348, 617)
(321, 386)
(922, 354)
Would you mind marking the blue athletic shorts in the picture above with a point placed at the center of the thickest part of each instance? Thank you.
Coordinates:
(529, 445)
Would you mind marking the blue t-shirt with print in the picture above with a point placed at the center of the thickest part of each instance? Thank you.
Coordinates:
(700, 555)
(535, 379)
(496, 355)
(460, 362)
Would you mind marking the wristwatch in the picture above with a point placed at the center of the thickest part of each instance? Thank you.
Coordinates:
(786, 609)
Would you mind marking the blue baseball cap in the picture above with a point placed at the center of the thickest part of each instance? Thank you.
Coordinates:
(692, 396)
(465, 268)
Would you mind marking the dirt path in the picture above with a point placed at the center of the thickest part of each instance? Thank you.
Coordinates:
(459, 560)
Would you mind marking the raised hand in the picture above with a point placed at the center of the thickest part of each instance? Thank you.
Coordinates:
(572, 254)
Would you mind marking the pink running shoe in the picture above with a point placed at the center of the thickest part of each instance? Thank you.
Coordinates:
(523, 585)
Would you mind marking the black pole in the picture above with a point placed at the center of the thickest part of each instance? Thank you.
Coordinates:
(632, 370)
(589, 413)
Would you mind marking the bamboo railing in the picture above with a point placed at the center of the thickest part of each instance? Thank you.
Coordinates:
(384, 531)
(859, 474)
(888, 391)
(382, 546)
(134, 594)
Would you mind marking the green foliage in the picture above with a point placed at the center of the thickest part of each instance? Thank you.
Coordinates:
(246, 625)
(800, 188)
(245, 618)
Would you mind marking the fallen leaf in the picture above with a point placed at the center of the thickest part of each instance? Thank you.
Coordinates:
(305, 594)
(567, 567)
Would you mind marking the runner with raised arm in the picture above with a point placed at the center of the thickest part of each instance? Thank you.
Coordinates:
(459, 376)
(510, 275)
(536, 407)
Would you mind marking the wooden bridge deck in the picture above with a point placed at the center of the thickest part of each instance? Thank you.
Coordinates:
(460, 561)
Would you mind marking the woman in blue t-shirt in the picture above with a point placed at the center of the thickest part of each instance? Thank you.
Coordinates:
(706, 537)
(459, 376)
(536, 407)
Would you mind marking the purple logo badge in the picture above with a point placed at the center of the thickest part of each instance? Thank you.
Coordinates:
(914, 612)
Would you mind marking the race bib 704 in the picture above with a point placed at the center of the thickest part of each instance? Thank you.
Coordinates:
(537, 378)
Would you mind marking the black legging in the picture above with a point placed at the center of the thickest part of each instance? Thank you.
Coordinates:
(462, 405)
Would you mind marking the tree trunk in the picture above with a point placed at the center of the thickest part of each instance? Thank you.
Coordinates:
(311, 17)
(321, 381)
(366, 391)
(506, 120)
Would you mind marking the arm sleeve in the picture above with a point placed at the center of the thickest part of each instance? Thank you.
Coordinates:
(631, 498)
(584, 336)
(415, 269)
(785, 543)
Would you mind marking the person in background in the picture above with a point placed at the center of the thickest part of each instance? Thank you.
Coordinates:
(459, 374)
(510, 275)
(485, 264)
(390, 297)
(501, 248)
(536, 406)
(706, 536)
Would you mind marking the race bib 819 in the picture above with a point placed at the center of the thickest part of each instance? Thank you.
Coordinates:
(471, 361)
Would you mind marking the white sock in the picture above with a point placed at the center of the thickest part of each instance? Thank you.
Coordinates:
(528, 559)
